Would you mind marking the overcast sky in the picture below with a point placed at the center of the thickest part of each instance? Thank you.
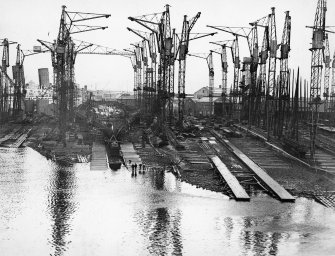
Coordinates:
(25, 21)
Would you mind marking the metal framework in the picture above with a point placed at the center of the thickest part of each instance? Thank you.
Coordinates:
(284, 90)
(224, 68)
(5, 82)
(316, 68)
(63, 59)
(237, 94)
(332, 93)
(271, 92)
(327, 61)
(183, 50)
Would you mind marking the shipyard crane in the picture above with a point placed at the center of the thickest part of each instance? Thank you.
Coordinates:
(317, 49)
(284, 90)
(224, 67)
(332, 94)
(19, 81)
(18, 77)
(183, 50)
(253, 96)
(133, 60)
(144, 55)
(138, 89)
(183, 45)
(326, 60)
(271, 91)
(236, 93)
(262, 82)
(63, 54)
(5, 82)
(209, 61)
(149, 87)
(159, 23)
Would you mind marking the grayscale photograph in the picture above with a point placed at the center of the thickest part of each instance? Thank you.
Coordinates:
(167, 128)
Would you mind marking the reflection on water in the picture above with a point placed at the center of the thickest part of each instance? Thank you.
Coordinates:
(49, 210)
(61, 206)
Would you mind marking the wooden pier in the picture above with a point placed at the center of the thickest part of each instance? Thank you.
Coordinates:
(238, 191)
(99, 157)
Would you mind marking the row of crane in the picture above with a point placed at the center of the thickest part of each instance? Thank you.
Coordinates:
(261, 92)
(12, 88)
(156, 91)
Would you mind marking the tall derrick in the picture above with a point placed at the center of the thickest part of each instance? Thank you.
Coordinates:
(211, 81)
(332, 93)
(4, 81)
(316, 68)
(183, 50)
(138, 90)
(271, 86)
(284, 92)
(262, 82)
(159, 23)
(253, 99)
(237, 65)
(63, 60)
(19, 82)
(145, 91)
(236, 94)
(167, 62)
(327, 60)
(224, 68)
(150, 73)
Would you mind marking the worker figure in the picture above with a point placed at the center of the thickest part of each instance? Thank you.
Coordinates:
(129, 162)
(143, 168)
(140, 168)
(135, 167)
(132, 170)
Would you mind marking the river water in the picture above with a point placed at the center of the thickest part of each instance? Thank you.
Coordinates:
(50, 210)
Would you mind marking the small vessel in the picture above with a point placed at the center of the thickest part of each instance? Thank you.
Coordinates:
(113, 149)
(113, 152)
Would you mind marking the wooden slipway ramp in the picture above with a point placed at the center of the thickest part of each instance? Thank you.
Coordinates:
(273, 185)
(99, 157)
(238, 191)
(129, 153)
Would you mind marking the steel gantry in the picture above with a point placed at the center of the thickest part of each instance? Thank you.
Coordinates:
(332, 93)
(284, 90)
(6, 83)
(253, 105)
(316, 68)
(262, 81)
(224, 68)
(326, 60)
(159, 24)
(182, 48)
(63, 58)
(238, 95)
(149, 87)
(271, 96)
(209, 61)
